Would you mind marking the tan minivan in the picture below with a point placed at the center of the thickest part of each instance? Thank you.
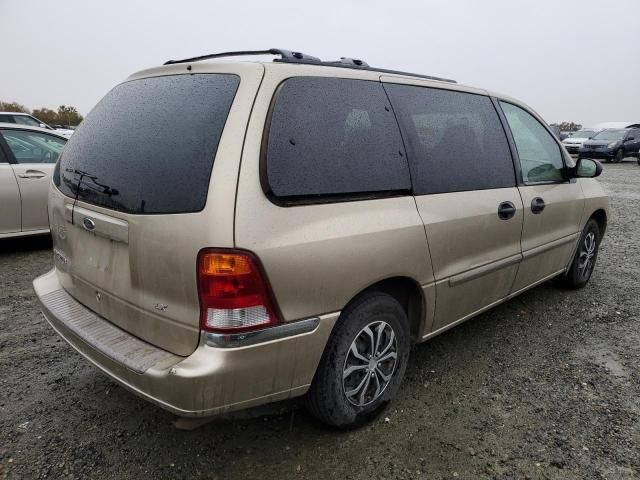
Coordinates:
(231, 234)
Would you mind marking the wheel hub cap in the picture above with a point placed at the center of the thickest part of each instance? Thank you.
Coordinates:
(370, 363)
(587, 254)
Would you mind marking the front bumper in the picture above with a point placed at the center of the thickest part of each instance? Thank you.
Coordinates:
(572, 149)
(604, 153)
(212, 379)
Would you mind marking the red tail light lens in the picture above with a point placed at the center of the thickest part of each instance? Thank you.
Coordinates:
(234, 295)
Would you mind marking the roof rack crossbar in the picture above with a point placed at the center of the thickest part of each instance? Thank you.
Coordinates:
(286, 55)
(349, 61)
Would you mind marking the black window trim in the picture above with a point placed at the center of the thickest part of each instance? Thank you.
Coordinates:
(519, 179)
(321, 199)
(5, 159)
(510, 141)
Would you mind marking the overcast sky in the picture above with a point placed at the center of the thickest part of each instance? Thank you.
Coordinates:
(574, 60)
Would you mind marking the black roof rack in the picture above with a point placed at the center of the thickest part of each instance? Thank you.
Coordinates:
(288, 56)
(285, 55)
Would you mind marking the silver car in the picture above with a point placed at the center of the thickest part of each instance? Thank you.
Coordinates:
(27, 158)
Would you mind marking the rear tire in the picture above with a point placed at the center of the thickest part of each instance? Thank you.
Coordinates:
(584, 260)
(363, 363)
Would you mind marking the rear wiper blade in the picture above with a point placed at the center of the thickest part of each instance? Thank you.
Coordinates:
(106, 189)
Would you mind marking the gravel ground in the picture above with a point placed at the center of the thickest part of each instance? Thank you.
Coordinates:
(544, 386)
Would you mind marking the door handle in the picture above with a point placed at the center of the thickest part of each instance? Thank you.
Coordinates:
(537, 205)
(32, 174)
(506, 210)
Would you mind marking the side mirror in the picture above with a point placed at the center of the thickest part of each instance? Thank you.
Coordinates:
(588, 168)
(630, 138)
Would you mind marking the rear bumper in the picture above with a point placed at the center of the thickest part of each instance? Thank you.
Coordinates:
(212, 379)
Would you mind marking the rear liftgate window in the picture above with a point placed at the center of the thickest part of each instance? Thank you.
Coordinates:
(149, 145)
(455, 140)
(331, 138)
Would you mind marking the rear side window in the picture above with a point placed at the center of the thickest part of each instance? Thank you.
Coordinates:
(33, 147)
(149, 145)
(455, 140)
(333, 137)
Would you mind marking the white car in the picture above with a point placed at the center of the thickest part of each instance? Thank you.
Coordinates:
(31, 121)
(573, 143)
(28, 158)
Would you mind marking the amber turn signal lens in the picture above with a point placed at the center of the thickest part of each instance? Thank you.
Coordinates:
(222, 264)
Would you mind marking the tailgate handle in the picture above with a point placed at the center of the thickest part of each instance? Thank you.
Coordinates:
(102, 225)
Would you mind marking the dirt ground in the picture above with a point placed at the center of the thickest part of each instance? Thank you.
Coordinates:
(544, 386)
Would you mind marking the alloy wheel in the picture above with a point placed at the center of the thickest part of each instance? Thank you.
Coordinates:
(370, 364)
(586, 258)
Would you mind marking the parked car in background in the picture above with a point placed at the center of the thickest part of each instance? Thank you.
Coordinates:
(558, 133)
(575, 141)
(27, 160)
(612, 125)
(612, 145)
(68, 128)
(64, 130)
(31, 121)
(290, 234)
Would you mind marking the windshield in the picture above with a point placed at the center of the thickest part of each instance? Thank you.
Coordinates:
(584, 134)
(149, 145)
(616, 134)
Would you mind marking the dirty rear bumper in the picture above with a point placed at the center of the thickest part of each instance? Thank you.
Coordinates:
(211, 380)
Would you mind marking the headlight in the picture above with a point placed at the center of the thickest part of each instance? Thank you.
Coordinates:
(612, 145)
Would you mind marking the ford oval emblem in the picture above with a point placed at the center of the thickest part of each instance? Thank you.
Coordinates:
(89, 224)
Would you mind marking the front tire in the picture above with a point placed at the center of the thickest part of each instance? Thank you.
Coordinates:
(584, 260)
(619, 156)
(363, 363)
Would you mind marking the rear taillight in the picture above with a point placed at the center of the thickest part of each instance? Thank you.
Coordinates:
(234, 295)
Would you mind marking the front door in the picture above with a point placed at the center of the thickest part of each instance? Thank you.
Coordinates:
(553, 206)
(33, 156)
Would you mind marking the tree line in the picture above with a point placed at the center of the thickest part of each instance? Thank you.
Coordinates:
(567, 126)
(65, 115)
